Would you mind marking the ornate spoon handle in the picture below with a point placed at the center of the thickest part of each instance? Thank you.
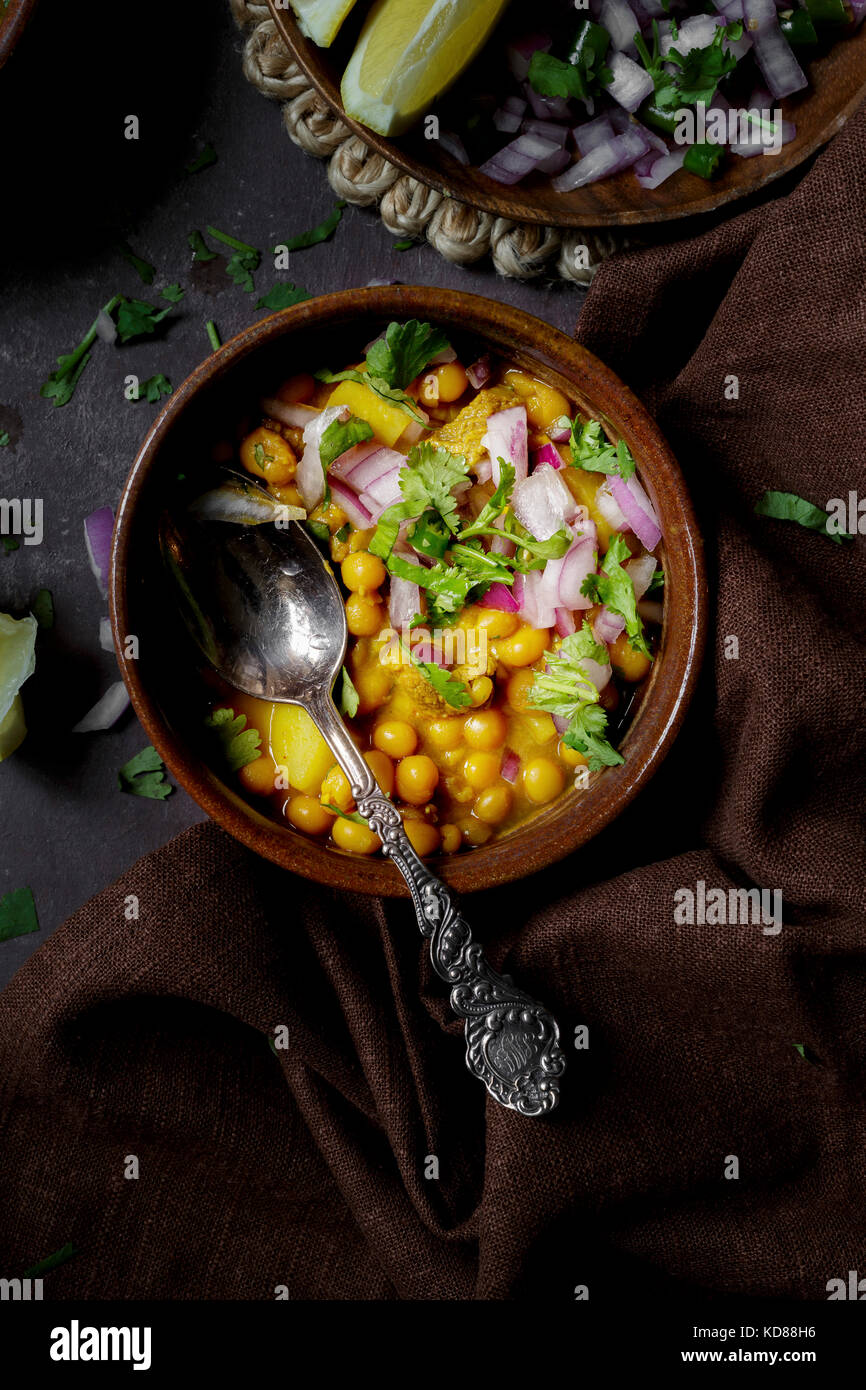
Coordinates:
(512, 1042)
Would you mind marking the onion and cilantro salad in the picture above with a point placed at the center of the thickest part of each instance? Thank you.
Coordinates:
(503, 596)
(595, 93)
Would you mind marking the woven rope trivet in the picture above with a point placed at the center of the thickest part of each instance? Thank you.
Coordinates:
(408, 208)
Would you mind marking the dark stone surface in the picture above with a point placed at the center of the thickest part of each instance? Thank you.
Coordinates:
(71, 186)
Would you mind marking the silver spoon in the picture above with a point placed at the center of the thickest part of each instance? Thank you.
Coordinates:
(263, 606)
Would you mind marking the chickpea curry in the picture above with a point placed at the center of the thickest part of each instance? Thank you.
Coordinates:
(502, 595)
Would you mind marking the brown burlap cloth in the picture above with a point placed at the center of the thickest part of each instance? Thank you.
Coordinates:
(696, 1148)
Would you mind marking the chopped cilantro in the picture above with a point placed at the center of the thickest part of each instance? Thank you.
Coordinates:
(239, 744)
(426, 481)
(283, 296)
(138, 319)
(657, 583)
(614, 588)
(586, 734)
(341, 436)
(145, 270)
(50, 1262)
(592, 451)
(392, 394)
(404, 245)
(200, 249)
(213, 336)
(144, 775)
(349, 698)
(699, 71)
(9, 544)
(173, 293)
(319, 530)
(240, 267)
(563, 688)
(202, 161)
(553, 77)
(322, 232)
(17, 914)
(787, 506)
(343, 534)
(60, 385)
(344, 815)
(42, 608)
(4, 438)
(404, 352)
(453, 691)
(153, 389)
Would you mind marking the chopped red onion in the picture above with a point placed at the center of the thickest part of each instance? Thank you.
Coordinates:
(560, 723)
(404, 601)
(535, 600)
(593, 133)
(310, 478)
(520, 53)
(661, 168)
(548, 130)
(105, 712)
(355, 510)
(346, 463)
(510, 767)
(414, 430)
(607, 158)
(479, 372)
(382, 490)
(542, 503)
(97, 537)
(370, 463)
(548, 455)
(608, 506)
(510, 114)
(429, 651)
(484, 469)
(560, 430)
(640, 571)
(565, 624)
(596, 674)
(697, 31)
(773, 54)
(577, 563)
(500, 597)
(105, 640)
(637, 509)
(518, 159)
(298, 416)
(608, 626)
(619, 21)
(555, 163)
(631, 83)
(547, 108)
(507, 437)
(453, 145)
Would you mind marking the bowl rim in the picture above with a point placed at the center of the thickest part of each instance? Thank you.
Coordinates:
(650, 736)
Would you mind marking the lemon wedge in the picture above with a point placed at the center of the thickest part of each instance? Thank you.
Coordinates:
(320, 20)
(409, 53)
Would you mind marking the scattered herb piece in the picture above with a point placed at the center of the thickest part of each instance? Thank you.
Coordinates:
(344, 815)
(283, 296)
(319, 530)
(145, 270)
(239, 744)
(200, 249)
(212, 335)
(553, 77)
(138, 319)
(153, 389)
(42, 608)
(144, 775)
(4, 438)
(453, 691)
(349, 697)
(9, 544)
(787, 506)
(563, 688)
(17, 914)
(405, 351)
(242, 266)
(341, 436)
(699, 72)
(657, 583)
(343, 533)
(614, 588)
(322, 232)
(426, 481)
(50, 1262)
(404, 245)
(173, 293)
(60, 385)
(591, 451)
(202, 161)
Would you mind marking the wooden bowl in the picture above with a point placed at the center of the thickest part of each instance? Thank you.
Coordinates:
(165, 683)
(12, 23)
(838, 86)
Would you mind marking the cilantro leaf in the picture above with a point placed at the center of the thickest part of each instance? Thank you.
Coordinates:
(449, 584)
(591, 451)
(392, 394)
(563, 688)
(239, 745)
(17, 914)
(153, 389)
(342, 435)
(586, 734)
(213, 336)
(405, 350)
(50, 1262)
(202, 161)
(349, 697)
(42, 608)
(344, 815)
(426, 482)
(430, 536)
(60, 385)
(496, 504)
(787, 506)
(173, 293)
(242, 266)
(614, 588)
(283, 296)
(200, 249)
(656, 584)
(4, 438)
(453, 691)
(145, 270)
(138, 319)
(553, 77)
(322, 232)
(144, 775)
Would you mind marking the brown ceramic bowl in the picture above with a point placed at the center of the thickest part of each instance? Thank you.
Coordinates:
(166, 682)
(13, 20)
(837, 87)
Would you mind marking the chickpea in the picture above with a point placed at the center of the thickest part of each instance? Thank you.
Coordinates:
(453, 757)
(423, 836)
(363, 614)
(298, 389)
(497, 624)
(382, 769)
(258, 777)
(307, 814)
(481, 769)
(524, 647)
(452, 381)
(428, 391)
(487, 729)
(631, 665)
(289, 496)
(544, 403)
(540, 726)
(451, 838)
(518, 689)
(493, 804)
(445, 734)
(395, 737)
(335, 789)
(351, 835)
(360, 540)
(481, 690)
(373, 684)
(417, 779)
(475, 832)
(362, 571)
(267, 455)
(542, 780)
(570, 756)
